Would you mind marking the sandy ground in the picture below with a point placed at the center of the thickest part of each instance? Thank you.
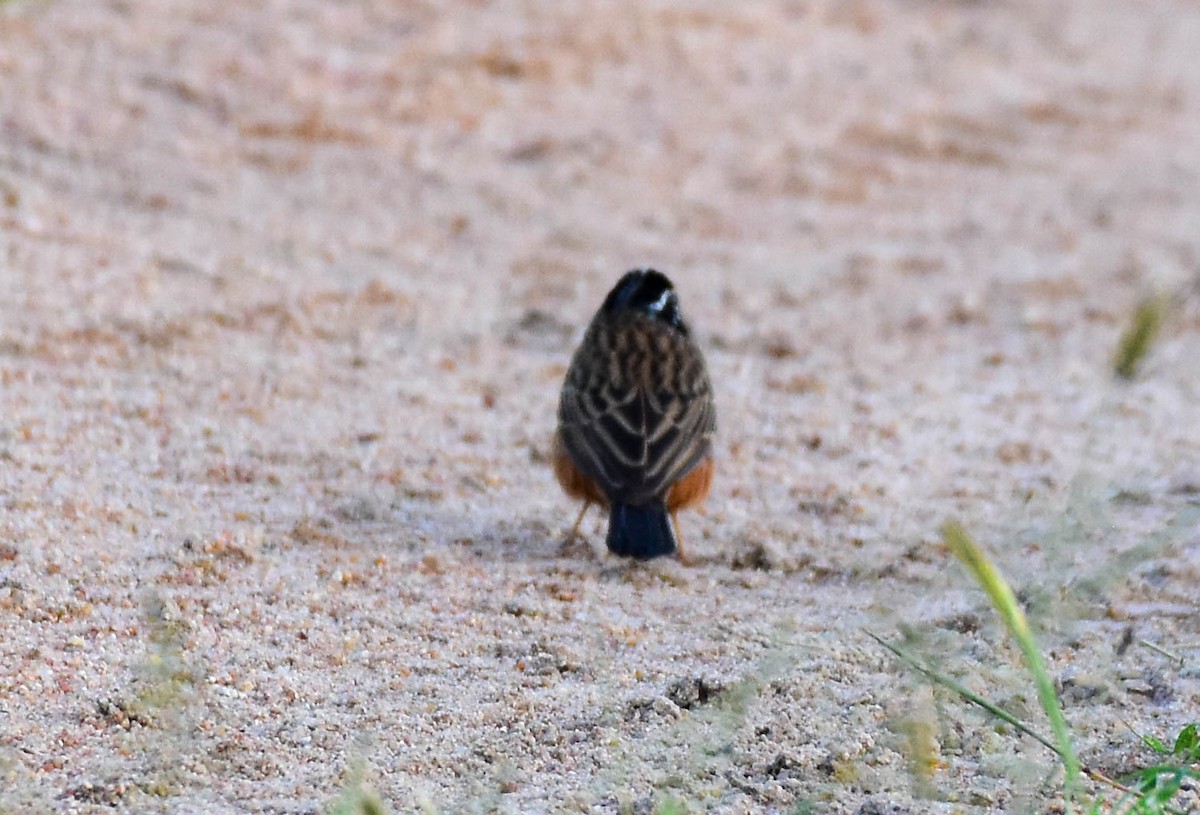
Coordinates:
(289, 289)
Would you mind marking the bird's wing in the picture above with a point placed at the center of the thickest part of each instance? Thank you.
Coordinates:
(637, 435)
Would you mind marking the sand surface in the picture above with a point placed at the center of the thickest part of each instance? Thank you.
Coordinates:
(287, 291)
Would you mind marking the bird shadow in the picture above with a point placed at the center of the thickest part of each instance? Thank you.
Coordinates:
(417, 529)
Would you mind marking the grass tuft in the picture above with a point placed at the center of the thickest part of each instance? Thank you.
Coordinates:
(172, 680)
(357, 797)
(1140, 335)
(1005, 602)
(1186, 748)
(672, 806)
(1148, 791)
(167, 701)
(1152, 789)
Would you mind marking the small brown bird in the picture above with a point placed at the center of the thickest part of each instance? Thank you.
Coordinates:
(636, 418)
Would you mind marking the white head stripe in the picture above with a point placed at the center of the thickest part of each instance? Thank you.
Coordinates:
(661, 303)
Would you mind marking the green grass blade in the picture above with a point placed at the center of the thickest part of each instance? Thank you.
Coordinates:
(1139, 336)
(963, 691)
(1187, 744)
(1010, 612)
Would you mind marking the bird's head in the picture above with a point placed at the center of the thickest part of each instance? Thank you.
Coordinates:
(648, 292)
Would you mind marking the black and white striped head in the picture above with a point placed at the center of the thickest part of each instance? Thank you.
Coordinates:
(648, 292)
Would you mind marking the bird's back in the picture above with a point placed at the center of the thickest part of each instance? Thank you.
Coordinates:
(636, 412)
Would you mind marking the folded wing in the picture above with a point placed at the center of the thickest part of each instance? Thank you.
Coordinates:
(638, 415)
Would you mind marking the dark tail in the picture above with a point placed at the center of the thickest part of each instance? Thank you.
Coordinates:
(640, 532)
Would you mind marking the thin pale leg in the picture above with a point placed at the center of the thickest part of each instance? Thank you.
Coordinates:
(575, 529)
(679, 550)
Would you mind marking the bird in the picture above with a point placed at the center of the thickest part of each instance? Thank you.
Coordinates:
(636, 418)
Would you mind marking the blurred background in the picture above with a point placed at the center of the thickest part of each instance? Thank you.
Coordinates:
(287, 291)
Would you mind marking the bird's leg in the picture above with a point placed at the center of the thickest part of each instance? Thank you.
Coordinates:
(683, 558)
(575, 529)
(567, 547)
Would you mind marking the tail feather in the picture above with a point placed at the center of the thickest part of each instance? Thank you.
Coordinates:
(641, 532)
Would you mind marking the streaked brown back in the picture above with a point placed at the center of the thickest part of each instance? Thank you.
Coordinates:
(636, 412)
